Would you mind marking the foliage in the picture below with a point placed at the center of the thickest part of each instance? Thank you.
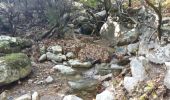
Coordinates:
(56, 10)
(52, 16)
(91, 3)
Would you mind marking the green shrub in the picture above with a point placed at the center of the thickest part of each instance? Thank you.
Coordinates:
(91, 3)
(52, 16)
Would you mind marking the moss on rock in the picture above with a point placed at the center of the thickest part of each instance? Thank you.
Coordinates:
(13, 67)
(13, 44)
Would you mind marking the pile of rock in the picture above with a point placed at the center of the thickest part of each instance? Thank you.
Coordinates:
(13, 65)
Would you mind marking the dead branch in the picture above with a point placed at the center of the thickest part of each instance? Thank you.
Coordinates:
(159, 14)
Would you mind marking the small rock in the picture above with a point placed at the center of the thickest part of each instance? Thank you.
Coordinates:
(40, 82)
(121, 50)
(78, 64)
(35, 96)
(106, 95)
(130, 83)
(128, 37)
(159, 55)
(167, 79)
(106, 84)
(167, 64)
(24, 97)
(65, 63)
(83, 84)
(3, 96)
(70, 55)
(72, 97)
(99, 69)
(102, 78)
(55, 49)
(101, 14)
(49, 79)
(103, 69)
(138, 68)
(42, 58)
(115, 66)
(58, 58)
(133, 48)
(64, 69)
(30, 81)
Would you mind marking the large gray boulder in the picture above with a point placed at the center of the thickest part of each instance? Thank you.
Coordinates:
(13, 44)
(109, 30)
(159, 55)
(117, 34)
(13, 67)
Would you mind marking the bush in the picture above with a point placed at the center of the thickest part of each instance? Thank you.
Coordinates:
(56, 10)
(91, 3)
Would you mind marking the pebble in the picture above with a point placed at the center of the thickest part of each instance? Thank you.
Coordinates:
(49, 79)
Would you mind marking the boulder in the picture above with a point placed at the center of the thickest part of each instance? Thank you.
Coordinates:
(138, 66)
(55, 49)
(106, 95)
(70, 55)
(145, 47)
(64, 69)
(71, 97)
(57, 58)
(83, 85)
(117, 34)
(159, 55)
(4, 96)
(100, 15)
(99, 69)
(13, 67)
(13, 44)
(86, 28)
(128, 37)
(42, 58)
(130, 83)
(78, 64)
(109, 30)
